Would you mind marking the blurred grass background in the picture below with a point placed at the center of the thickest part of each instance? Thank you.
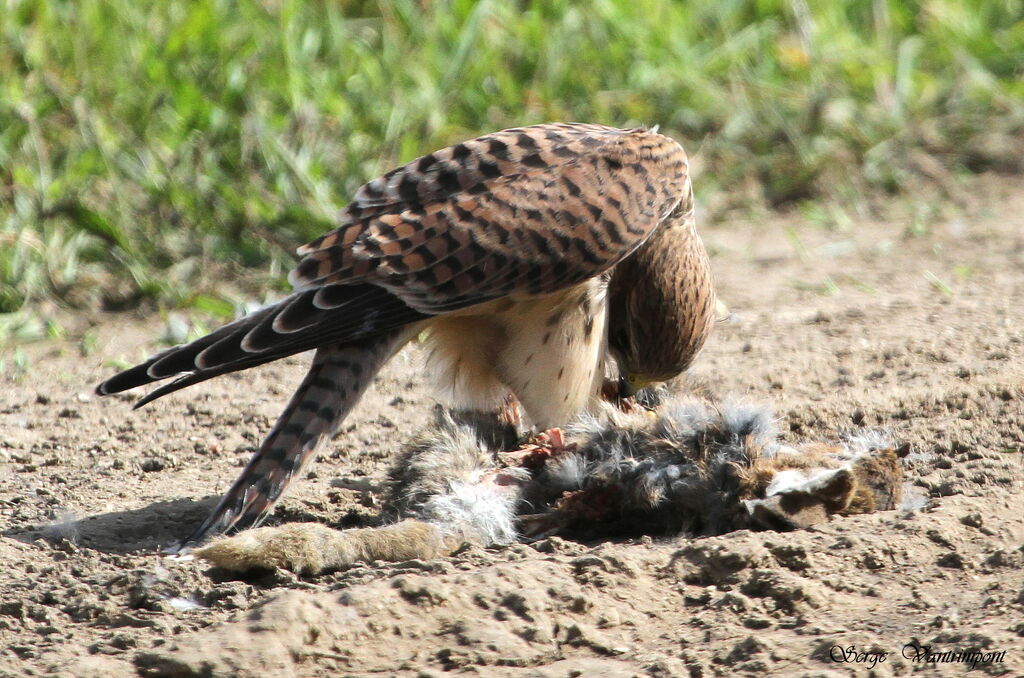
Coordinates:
(172, 154)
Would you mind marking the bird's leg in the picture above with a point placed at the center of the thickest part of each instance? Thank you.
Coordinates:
(336, 380)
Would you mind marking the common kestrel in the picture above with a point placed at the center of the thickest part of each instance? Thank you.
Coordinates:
(529, 256)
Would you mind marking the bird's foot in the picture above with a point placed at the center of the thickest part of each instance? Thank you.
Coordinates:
(510, 412)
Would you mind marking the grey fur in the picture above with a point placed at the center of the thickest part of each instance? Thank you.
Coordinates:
(682, 470)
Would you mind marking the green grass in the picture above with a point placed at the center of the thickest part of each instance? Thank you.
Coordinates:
(151, 151)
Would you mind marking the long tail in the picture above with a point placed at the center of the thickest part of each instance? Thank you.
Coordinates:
(329, 315)
(336, 380)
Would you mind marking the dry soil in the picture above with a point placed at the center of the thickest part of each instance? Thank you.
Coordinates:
(912, 325)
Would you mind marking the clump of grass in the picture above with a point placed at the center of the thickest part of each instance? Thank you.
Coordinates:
(140, 142)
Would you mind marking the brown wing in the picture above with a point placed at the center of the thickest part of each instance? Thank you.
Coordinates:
(523, 211)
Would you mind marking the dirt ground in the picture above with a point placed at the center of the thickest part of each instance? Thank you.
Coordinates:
(912, 326)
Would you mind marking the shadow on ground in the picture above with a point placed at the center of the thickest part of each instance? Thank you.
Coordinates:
(151, 528)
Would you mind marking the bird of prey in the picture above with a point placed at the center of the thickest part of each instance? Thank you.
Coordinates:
(528, 256)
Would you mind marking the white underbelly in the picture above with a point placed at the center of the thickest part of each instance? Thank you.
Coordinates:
(549, 352)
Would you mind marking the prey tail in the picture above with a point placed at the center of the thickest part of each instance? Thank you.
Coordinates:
(336, 380)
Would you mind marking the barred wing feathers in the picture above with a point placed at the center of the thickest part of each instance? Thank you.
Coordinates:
(524, 211)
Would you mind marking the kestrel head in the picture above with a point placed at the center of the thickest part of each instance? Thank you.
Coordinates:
(660, 304)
